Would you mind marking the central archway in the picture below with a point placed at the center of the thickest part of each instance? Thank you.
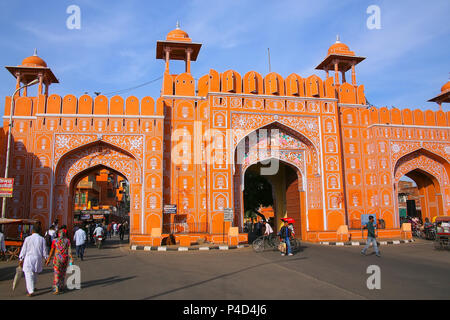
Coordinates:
(287, 194)
(292, 159)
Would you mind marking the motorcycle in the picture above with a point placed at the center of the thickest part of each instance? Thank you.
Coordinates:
(429, 232)
(99, 241)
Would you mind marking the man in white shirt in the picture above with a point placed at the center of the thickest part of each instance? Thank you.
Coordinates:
(98, 231)
(268, 229)
(31, 255)
(80, 242)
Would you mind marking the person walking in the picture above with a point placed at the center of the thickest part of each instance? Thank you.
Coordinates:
(80, 242)
(62, 255)
(31, 256)
(286, 234)
(49, 236)
(371, 238)
(2, 244)
(121, 231)
(109, 230)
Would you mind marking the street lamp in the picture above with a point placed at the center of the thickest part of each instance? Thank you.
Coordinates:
(9, 137)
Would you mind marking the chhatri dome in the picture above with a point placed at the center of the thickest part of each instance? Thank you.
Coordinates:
(34, 61)
(340, 48)
(445, 87)
(178, 35)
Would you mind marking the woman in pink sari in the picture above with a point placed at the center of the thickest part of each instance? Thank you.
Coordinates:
(62, 254)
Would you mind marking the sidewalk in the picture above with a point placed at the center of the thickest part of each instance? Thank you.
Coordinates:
(363, 242)
(199, 247)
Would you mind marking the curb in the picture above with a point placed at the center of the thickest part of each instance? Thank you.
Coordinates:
(164, 248)
(360, 243)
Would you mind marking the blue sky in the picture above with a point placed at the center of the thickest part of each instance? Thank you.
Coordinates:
(407, 59)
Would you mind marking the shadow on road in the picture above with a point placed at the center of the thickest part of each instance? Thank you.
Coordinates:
(219, 277)
(105, 281)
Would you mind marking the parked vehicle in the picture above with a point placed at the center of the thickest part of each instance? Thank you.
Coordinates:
(429, 232)
(266, 242)
(442, 233)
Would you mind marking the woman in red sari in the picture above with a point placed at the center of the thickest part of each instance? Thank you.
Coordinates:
(62, 254)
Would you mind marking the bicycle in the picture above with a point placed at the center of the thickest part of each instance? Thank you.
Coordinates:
(263, 242)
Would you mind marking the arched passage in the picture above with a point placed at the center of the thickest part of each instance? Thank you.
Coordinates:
(99, 194)
(431, 175)
(82, 159)
(292, 161)
(287, 194)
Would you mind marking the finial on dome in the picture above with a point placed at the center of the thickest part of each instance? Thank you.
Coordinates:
(338, 40)
(35, 52)
(178, 25)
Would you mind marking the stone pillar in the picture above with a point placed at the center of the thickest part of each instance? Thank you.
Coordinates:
(17, 84)
(41, 79)
(336, 72)
(167, 52)
(188, 60)
(353, 74)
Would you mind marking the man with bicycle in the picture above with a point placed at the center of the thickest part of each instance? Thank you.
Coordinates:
(267, 229)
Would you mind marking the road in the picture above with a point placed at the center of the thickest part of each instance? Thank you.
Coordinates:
(408, 271)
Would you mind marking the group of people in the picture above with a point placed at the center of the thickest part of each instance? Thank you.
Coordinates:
(114, 229)
(106, 230)
(56, 248)
(36, 249)
(286, 233)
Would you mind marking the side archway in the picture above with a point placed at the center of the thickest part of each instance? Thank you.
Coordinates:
(431, 174)
(83, 159)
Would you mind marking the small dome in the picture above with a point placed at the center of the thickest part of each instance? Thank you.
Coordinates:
(34, 61)
(178, 35)
(340, 48)
(445, 87)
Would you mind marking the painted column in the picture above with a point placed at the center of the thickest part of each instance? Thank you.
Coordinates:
(167, 51)
(336, 72)
(353, 74)
(41, 78)
(188, 60)
(17, 84)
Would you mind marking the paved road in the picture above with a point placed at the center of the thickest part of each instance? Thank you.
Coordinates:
(408, 271)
